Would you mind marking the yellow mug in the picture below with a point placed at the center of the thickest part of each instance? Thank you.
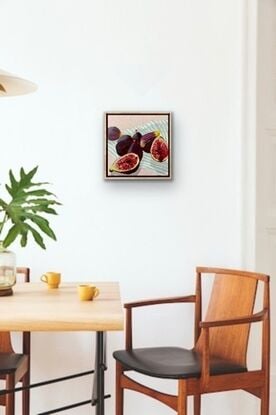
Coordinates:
(87, 292)
(52, 279)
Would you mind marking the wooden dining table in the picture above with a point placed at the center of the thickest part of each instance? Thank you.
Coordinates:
(34, 307)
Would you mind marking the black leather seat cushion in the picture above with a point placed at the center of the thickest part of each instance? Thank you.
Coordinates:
(171, 362)
(9, 362)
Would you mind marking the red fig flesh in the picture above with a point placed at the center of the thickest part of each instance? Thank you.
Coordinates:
(159, 150)
(126, 164)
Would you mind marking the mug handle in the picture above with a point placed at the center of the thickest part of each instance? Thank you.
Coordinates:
(97, 292)
(44, 278)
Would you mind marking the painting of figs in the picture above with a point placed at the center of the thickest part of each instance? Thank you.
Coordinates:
(137, 145)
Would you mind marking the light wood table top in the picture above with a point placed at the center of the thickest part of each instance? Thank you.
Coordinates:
(34, 307)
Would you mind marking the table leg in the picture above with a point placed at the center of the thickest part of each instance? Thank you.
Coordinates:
(100, 365)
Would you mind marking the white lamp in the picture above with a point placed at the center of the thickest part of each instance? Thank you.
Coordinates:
(13, 85)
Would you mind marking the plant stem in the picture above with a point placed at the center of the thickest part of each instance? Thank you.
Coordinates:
(3, 223)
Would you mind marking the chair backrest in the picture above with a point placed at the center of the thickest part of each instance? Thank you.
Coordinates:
(22, 274)
(233, 295)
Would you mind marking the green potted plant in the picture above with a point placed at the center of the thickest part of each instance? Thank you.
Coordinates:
(24, 212)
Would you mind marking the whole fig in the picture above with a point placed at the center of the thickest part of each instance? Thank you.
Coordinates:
(135, 148)
(127, 144)
(113, 133)
(123, 144)
(147, 140)
(137, 137)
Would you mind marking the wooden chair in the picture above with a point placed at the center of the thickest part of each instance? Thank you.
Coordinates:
(15, 367)
(218, 360)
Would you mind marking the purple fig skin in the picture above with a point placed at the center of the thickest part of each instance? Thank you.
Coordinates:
(123, 145)
(135, 148)
(127, 144)
(147, 146)
(147, 139)
(113, 133)
(137, 137)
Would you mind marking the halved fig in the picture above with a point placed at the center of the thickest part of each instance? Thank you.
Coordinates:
(126, 164)
(159, 149)
(147, 139)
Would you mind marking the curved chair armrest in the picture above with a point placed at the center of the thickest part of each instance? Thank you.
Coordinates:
(206, 325)
(232, 322)
(166, 300)
(143, 303)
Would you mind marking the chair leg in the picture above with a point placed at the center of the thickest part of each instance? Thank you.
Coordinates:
(119, 390)
(10, 398)
(197, 404)
(26, 395)
(265, 400)
(182, 397)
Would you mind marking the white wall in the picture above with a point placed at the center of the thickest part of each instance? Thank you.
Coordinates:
(91, 56)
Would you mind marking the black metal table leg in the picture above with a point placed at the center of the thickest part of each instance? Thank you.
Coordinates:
(98, 393)
(100, 365)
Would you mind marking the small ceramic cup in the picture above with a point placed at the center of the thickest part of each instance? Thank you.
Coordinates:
(52, 279)
(87, 292)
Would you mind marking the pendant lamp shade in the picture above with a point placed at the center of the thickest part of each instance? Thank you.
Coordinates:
(11, 85)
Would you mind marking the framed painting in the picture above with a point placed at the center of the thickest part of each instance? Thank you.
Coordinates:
(137, 145)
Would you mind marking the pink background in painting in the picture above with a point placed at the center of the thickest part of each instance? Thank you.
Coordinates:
(130, 121)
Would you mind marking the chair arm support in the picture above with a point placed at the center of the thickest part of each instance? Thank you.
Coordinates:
(232, 322)
(143, 303)
(166, 300)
